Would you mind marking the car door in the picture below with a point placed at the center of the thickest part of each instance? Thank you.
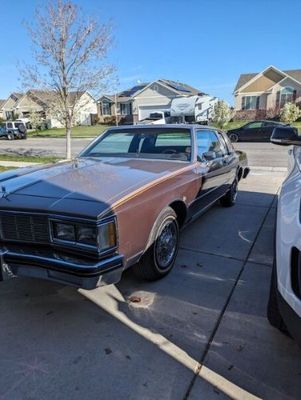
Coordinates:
(252, 132)
(212, 168)
(267, 130)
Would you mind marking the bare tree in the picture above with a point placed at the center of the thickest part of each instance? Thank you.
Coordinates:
(70, 52)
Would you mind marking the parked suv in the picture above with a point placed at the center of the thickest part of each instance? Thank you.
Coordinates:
(284, 307)
(13, 130)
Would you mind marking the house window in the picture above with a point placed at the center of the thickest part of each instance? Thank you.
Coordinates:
(286, 95)
(250, 102)
(126, 108)
(9, 114)
(106, 108)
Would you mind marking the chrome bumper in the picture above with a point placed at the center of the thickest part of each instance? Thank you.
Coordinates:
(69, 270)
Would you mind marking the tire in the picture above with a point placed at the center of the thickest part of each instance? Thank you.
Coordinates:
(273, 312)
(21, 129)
(229, 199)
(10, 136)
(233, 137)
(158, 260)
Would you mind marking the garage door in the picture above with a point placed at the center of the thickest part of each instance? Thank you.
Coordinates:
(145, 111)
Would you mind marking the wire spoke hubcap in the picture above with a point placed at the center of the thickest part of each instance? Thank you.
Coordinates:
(166, 245)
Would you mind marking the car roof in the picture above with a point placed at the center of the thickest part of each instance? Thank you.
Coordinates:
(266, 120)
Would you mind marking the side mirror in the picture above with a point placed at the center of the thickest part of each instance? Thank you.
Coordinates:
(285, 136)
(209, 155)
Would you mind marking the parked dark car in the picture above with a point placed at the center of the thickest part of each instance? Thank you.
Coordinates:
(13, 130)
(255, 131)
(121, 203)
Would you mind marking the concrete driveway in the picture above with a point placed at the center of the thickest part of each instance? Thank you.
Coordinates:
(200, 333)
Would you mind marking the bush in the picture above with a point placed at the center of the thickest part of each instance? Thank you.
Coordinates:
(290, 113)
(109, 120)
(221, 113)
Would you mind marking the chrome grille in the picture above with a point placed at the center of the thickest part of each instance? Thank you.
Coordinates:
(24, 228)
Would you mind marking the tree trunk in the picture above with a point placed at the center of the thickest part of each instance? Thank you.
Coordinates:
(68, 141)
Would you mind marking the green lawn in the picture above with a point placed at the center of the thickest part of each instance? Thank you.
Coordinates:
(37, 159)
(77, 132)
(3, 169)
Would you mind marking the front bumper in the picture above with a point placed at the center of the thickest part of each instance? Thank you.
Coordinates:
(58, 267)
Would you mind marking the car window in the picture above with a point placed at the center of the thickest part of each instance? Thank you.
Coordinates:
(151, 143)
(252, 125)
(208, 140)
(270, 123)
(9, 125)
(228, 143)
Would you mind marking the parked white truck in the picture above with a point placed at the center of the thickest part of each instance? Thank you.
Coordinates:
(193, 108)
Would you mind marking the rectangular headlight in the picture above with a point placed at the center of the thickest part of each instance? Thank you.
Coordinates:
(86, 234)
(107, 236)
(62, 231)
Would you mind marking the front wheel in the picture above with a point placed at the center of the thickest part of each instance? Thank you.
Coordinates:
(160, 257)
(233, 137)
(229, 199)
(10, 136)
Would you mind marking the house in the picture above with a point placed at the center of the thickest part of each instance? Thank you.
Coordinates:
(2, 101)
(138, 102)
(44, 103)
(7, 109)
(263, 94)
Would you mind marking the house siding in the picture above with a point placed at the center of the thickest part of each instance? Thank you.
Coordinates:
(266, 87)
(156, 96)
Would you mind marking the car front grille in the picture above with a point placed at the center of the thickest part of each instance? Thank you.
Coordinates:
(24, 228)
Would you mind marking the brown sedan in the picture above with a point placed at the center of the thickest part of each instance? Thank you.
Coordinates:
(120, 203)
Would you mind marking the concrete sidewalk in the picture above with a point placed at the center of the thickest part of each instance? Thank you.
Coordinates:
(200, 333)
(16, 164)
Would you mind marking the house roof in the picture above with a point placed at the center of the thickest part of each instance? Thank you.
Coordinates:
(2, 101)
(178, 87)
(245, 78)
(48, 96)
(181, 88)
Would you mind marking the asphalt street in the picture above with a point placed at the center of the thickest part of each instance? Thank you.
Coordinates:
(259, 154)
(200, 333)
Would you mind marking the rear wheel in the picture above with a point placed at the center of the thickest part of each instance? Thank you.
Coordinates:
(160, 257)
(229, 199)
(233, 137)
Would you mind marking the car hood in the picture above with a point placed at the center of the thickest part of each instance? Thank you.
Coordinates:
(84, 187)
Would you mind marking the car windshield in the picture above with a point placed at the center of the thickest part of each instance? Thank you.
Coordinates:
(151, 143)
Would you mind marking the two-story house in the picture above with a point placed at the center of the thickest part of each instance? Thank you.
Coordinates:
(140, 101)
(263, 94)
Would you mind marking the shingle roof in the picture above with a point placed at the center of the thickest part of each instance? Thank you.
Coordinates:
(180, 87)
(48, 96)
(244, 78)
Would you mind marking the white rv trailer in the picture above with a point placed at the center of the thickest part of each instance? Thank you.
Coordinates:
(193, 108)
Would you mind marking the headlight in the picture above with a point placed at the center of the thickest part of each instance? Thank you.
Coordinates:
(86, 234)
(64, 231)
(101, 237)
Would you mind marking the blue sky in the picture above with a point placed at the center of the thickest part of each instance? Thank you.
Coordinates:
(204, 43)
